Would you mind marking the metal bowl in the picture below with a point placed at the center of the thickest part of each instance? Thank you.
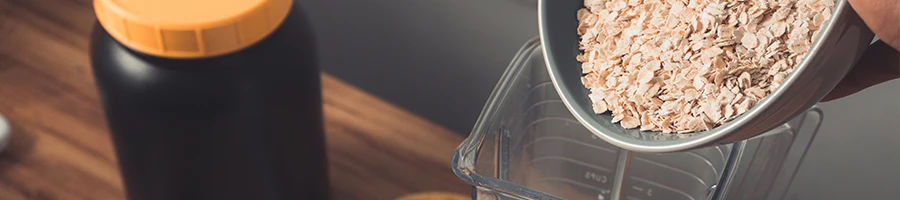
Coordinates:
(843, 42)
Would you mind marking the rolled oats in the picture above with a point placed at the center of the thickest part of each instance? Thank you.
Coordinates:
(681, 66)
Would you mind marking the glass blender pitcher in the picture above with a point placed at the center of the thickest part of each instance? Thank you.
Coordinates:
(526, 145)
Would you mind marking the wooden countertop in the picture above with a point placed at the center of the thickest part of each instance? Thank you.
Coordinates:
(61, 149)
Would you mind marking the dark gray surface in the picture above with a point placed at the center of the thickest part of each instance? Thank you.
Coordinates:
(439, 59)
(855, 152)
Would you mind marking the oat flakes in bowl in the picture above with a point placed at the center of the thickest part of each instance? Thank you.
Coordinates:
(674, 75)
(671, 66)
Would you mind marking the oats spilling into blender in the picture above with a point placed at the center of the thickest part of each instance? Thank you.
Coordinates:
(679, 66)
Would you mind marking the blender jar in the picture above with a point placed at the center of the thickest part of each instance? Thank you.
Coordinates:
(526, 145)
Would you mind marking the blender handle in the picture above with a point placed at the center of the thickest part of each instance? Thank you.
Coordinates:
(791, 168)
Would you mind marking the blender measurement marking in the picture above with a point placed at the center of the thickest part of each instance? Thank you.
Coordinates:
(595, 177)
(649, 191)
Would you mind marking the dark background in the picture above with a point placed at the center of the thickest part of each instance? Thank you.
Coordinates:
(440, 59)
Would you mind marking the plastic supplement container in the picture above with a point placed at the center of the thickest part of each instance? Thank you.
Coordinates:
(526, 145)
(211, 99)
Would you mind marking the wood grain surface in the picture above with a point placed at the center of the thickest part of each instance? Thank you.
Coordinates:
(61, 148)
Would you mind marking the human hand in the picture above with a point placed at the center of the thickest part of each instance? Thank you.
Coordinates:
(881, 62)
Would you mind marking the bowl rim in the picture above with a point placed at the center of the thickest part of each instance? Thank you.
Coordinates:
(702, 138)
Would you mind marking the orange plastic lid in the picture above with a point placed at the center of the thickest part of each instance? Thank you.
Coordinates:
(190, 28)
